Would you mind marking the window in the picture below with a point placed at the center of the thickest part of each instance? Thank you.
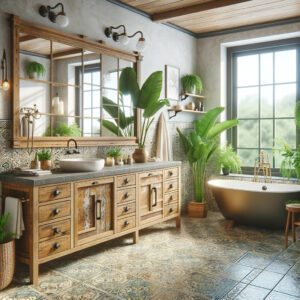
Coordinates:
(263, 90)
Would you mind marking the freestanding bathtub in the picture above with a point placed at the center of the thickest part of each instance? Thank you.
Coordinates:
(254, 203)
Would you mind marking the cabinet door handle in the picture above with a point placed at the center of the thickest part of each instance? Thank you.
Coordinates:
(155, 198)
(126, 195)
(98, 209)
(56, 230)
(126, 181)
(56, 246)
(126, 223)
(56, 211)
(126, 209)
(56, 192)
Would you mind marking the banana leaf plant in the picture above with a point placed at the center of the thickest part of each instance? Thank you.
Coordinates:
(201, 143)
(146, 98)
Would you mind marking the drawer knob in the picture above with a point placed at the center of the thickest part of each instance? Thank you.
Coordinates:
(171, 198)
(170, 210)
(56, 211)
(94, 182)
(126, 223)
(126, 195)
(56, 230)
(56, 193)
(56, 246)
(150, 174)
(126, 208)
(126, 181)
(170, 186)
(170, 173)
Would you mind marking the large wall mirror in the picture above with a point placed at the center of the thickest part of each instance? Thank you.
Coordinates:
(66, 86)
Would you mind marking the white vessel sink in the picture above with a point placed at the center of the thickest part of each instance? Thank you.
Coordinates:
(81, 164)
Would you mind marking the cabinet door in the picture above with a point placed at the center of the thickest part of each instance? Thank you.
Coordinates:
(151, 197)
(93, 209)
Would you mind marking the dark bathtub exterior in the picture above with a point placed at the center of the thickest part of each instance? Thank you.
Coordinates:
(247, 203)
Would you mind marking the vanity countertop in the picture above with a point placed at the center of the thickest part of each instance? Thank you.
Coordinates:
(67, 177)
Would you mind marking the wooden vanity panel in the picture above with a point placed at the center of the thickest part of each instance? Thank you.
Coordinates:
(126, 209)
(55, 229)
(54, 211)
(171, 173)
(126, 180)
(171, 209)
(54, 192)
(171, 197)
(126, 195)
(54, 246)
(171, 186)
(125, 223)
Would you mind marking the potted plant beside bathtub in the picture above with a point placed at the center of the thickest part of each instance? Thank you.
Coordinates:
(199, 145)
(7, 253)
(229, 161)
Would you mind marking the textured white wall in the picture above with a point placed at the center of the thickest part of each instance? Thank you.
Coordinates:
(90, 17)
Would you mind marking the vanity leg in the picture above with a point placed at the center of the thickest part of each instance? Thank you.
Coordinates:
(229, 224)
(34, 273)
(136, 237)
(178, 222)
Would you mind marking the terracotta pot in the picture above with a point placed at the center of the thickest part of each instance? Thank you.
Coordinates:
(140, 155)
(46, 164)
(197, 209)
(7, 263)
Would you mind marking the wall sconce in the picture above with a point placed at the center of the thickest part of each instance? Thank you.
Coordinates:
(123, 38)
(59, 18)
(4, 84)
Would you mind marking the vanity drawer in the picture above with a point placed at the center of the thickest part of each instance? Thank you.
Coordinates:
(126, 180)
(54, 192)
(171, 197)
(54, 246)
(125, 223)
(171, 209)
(171, 173)
(171, 186)
(126, 195)
(126, 209)
(151, 177)
(54, 211)
(56, 229)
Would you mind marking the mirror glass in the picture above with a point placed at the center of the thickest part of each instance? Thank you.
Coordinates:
(73, 91)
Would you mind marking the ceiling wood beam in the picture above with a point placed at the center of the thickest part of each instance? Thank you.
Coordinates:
(183, 11)
(26, 38)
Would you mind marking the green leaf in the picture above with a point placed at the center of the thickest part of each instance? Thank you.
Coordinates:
(185, 141)
(153, 107)
(204, 124)
(220, 127)
(297, 114)
(128, 84)
(110, 107)
(151, 90)
(112, 127)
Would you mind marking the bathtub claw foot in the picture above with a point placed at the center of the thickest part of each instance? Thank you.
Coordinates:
(229, 224)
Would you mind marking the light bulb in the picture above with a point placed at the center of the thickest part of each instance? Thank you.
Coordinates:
(62, 20)
(5, 85)
(123, 39)
(141, 44)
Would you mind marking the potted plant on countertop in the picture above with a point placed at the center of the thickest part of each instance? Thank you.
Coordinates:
(191, 84)
(35, 70)
(7, 253)
(146, 98)
(229, 161)
(199, 145)
(44, 157)
(113, 156)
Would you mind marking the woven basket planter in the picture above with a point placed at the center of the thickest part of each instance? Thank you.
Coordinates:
(7, 263)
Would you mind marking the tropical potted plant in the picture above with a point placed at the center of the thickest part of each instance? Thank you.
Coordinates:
(44, 157)
(199, 145)
(229, 161)
(146, 98)
(35, 70)
(7, 253)
(113, 156)
(191, 84)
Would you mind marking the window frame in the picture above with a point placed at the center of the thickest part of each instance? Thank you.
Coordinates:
(231, 101)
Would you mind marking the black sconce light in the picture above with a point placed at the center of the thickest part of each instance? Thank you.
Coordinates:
(123, 38)
(4, 84)
(60, 18)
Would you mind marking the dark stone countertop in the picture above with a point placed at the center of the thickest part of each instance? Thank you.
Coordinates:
(67, 177)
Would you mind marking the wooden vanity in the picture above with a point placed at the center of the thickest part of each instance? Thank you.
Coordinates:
(64, 213)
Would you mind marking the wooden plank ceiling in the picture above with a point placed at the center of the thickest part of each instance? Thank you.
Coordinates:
(206, 16)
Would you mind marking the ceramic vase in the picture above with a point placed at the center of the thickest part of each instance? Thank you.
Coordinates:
(46, 164)
(140, 155)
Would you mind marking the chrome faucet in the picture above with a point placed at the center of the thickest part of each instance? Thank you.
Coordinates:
(72, 151)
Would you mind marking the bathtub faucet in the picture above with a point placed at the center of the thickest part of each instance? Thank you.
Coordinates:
(262, 165)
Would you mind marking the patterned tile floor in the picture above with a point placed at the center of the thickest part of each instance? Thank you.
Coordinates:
(203, 260)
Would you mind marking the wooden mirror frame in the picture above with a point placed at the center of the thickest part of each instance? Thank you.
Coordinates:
(75, 41)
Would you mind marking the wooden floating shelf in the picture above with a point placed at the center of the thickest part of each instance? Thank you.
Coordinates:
(176, 111)
(49, 82)
(185, 95)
